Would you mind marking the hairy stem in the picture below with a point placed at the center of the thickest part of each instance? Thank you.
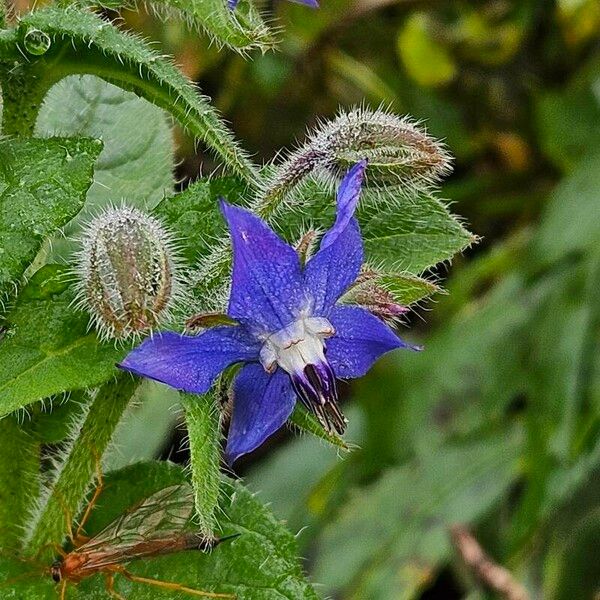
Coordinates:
(19, 479)
(22, 97)
(202, 420)
(78, 467)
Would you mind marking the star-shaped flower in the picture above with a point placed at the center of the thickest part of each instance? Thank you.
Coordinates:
(292, 336)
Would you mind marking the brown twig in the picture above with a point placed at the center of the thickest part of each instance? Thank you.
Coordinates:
(490, 574)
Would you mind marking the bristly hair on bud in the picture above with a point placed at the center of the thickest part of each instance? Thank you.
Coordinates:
(398, 150)
(128, 278)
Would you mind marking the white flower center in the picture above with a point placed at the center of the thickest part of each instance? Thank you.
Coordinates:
(297, 345)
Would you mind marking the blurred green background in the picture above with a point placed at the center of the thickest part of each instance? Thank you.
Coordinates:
(496, 424)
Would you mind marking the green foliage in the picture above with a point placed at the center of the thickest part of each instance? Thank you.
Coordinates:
(82, 43)
(259, 565)
(36, 202)
(409, 234)
(400, 232)
(135, 165)
(48, 348)
(19, 480)
(567, 119)
(393, 557)
(202, 417)
(242, 30)
(426, 60)
(51, 522)
(494, 425)
(306, 421)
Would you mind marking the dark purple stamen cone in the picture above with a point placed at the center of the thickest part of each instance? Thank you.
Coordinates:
(317, 390)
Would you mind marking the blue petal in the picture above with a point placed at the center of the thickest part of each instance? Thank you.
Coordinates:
(267, 289)
(262, 403)
(191, 363)
(347, 199)
(336, 265)
(360, 339)
(232, 4)
(311, 3)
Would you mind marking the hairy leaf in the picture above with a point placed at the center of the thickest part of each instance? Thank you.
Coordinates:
(400, 232)
(78, 464)
(136, 163)
(19, 479)
(42, 186)
(48, 348)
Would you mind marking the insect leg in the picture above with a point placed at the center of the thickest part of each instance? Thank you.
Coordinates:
(56, 547)
(94, 499)
(110, 586)
(172, 586)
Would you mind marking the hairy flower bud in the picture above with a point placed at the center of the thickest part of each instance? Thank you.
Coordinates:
(398, 151)
(128, 277)
(371, 290)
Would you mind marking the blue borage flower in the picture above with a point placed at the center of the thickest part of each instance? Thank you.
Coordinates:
(292, 336)
(232, 4)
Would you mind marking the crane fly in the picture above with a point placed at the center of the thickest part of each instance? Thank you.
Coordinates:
(153, 527)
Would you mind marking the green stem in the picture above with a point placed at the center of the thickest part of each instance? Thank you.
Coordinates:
(202, 420)
(22, 98)
(53, 522)
(19, 479)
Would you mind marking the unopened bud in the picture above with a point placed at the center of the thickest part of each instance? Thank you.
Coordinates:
(128, 276)
(399, 153)
(306, 245)
(369, 293)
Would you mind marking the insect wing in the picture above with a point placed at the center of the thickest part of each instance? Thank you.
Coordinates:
(159, 516)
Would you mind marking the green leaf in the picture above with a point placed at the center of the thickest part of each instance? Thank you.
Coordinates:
(83, 43)
(400, 232)
(567, 119)
(76, 466)
(409, 234)
(51, 421)
(19, 480)
(406, 289)
(195, 218)
(48, 348)
(399, 288)
(571, 221)
(136, 163)
(359, 551)
(36, 202)
(259, 565)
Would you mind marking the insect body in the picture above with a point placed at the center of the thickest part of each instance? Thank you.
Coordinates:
(151, 528)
